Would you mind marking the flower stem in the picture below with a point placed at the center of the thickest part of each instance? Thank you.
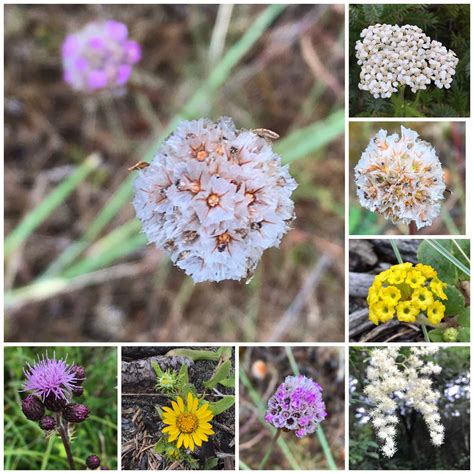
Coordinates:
(269, 450)
(425, 333)
(412, 228)
(396, 251)
(326, 449)
(65, 439)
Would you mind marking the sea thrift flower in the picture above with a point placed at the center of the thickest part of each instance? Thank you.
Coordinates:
(407, 379)
(47, 423)
(401, 178)
(405, 291)
(215, 198)
(297, 405)
(93, 462)
(100, 56)
(75, 412)
(391, 56)
(32, 407)
(50, 379)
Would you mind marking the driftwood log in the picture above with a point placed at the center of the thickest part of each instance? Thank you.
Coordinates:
(359, 284)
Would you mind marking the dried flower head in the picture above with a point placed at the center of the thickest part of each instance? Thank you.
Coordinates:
(297, 405)
(401, 178)
(405, 291)
(100, 56)
(50, 379)
(391, 56)
(215, 198)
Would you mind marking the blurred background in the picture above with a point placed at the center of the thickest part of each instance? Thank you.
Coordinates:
(80, 269)
(448, 139)
(413, 442)
(449, 24)
(262, 370)
(25, 446)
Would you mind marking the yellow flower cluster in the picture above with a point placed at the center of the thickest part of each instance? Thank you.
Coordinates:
(405, 290)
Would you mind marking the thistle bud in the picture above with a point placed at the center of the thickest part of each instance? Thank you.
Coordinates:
(75, 412)
(80, 374)
(54, 404)
(77, 392)
(93, 462)
(47, 423)
(32, 408)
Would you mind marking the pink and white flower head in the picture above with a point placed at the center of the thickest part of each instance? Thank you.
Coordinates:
(100, 56)
(401, 178)
(50, 378)
(215, 198)
(297, 406)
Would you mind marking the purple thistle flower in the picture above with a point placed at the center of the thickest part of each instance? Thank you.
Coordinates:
(51, 379)
(297, 406)
(99, 56)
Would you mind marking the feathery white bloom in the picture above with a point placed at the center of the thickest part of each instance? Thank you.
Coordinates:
(387, 376)
(215, 198)
(391, 56)
(401, 178)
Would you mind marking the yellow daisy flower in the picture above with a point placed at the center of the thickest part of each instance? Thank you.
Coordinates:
(423, 297)
(407, 311)
(415, 279)
(435, 312)
(437, 287)
(188, 425)
(390, 295)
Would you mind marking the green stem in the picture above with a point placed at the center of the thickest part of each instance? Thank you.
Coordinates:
(394, 245)
(291, 358)
(425, 333)
(326, 449)
(264, 461)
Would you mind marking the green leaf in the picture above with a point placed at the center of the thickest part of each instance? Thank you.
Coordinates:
(464, 335)
(436, 335)
(461, 250)
(156, 368)
(211, 463)
(230, 382)
(455, 302)
(159, 411)
(183, 374)
(464, 317)
(430, 256)
(194, 354)
(160, 446)
(221, 373)
(222, 405)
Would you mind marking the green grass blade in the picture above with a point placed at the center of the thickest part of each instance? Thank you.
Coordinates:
(54, 199)
(394, 245)
(326, 449)
(312, 138)
(438, 247)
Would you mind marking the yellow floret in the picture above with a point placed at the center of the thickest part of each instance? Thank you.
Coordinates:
(407, 311)
(423, 298)
(383, 311)
(415, 279)
(397, 277)
(436, 312)
(437, 287)
(426, 270)
(390, 295)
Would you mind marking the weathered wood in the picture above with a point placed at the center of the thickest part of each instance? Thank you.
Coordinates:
(359, 322)
(361, 255)
(140, 352)
(407, 248)
(359, 284)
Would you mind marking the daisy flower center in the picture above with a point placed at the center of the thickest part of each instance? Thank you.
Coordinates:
(187, 422)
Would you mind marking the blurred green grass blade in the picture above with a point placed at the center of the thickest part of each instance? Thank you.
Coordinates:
(449, 222)
(326, 449)
(54, 199)
(261, 408)
(439, 248)
(312, 138)
(244, 466)
(204, 94)
(47, 454)
(396, 251)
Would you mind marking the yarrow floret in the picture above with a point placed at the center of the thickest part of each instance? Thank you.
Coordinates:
(215, 198)
(401, 178)
(100, 56)
(391, 56)
(297, 405)
(50, 378)
(406, 291)
(408, 379)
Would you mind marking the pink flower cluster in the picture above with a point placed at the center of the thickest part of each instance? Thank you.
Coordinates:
(100, 56)
(297, 405)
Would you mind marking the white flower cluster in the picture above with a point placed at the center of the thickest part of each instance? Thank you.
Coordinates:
(386, 376)
(215, 198)
(401, 178)
(392, 56)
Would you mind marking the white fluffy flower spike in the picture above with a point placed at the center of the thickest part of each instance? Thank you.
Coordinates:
(391, 56)
(401, 178)
(215, 198)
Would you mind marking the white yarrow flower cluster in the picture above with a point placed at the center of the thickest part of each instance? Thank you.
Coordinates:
(401, 178)
(215, 198)
(386, 377)
(391, 56)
